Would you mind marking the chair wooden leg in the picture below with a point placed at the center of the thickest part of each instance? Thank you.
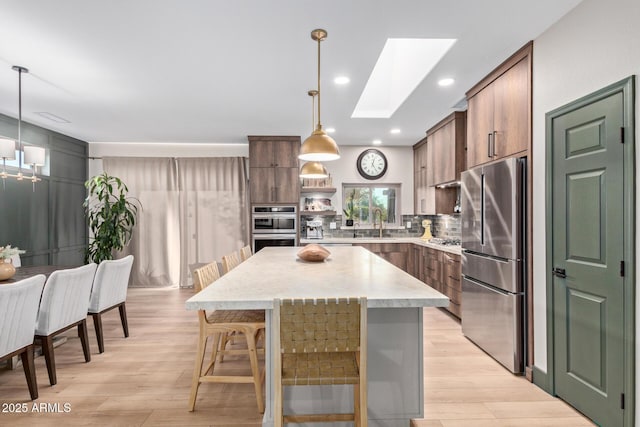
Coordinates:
(214, 353)
(123, 318)
(197, 370)
(30, 371)
(84, 339)
(356, 405)
(47, 349)
(97, 324)
(255, 369)
(224, 340)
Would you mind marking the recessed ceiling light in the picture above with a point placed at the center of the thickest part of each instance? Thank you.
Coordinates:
(376, 142)
(395, 131)
(341, 80)
(446, 82)
(330, 130)
(401, 66)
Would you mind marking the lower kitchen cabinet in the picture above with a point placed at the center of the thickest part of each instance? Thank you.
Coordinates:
(395, 253)
(451, 282)
(439, 269)
(433, 268)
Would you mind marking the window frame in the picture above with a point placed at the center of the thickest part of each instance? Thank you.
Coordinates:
(347, 189)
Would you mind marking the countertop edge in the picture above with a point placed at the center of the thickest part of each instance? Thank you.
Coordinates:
(457, 250)
(371, 303)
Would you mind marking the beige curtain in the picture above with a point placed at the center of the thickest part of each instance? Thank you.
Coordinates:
(214, 213)
(193, 211)
(156, 237)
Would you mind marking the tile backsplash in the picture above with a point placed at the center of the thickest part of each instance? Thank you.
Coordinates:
(443, 226)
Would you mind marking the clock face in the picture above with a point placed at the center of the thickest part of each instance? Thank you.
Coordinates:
(371, 164)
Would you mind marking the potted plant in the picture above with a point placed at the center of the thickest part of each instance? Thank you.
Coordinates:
(349, 211)
(111, 216)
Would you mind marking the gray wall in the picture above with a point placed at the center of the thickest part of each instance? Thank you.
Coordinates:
(48, 223)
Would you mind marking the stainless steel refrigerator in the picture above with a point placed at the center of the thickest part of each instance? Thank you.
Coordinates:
(493, 249)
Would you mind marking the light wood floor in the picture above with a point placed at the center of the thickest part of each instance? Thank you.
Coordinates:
(145, 379)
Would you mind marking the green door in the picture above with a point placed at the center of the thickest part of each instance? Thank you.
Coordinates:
(588, 237)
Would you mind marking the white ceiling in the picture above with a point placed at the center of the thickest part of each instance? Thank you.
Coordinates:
(219, 70)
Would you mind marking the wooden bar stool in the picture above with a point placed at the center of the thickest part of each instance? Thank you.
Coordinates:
(249, 323)
(229, 262)
(245, 253)
(321, 342)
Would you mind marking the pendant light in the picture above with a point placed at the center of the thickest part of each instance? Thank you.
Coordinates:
(29, 155)
(319, 146)
(313, 169)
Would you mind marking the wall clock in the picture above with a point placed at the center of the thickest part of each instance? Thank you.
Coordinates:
(371, 164)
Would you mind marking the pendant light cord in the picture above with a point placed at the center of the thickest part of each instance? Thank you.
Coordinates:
(319, 123)
(20, 119)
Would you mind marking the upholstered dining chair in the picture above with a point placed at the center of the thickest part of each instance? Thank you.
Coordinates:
(19, 304)
(229, 262)
(250, 323)
(320, 342)
(109, 291)
(245, 253)
(64, 304)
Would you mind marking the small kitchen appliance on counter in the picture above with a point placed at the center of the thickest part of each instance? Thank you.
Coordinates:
(314, 229)
(426, 224)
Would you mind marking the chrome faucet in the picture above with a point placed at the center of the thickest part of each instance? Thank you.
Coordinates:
(379, 211)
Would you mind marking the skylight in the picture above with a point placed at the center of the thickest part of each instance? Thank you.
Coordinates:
(400, 68)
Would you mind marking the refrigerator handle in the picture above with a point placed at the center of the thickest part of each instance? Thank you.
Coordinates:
(489, 288)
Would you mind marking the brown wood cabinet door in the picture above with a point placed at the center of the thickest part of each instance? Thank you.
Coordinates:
(429, 160)
(261, 154)
(262, 185)
(444, 154)
(287, 185)
(286, 154)
(479, 126)
(512, 105)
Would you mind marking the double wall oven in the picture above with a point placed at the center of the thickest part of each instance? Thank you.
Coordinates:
(274, 226)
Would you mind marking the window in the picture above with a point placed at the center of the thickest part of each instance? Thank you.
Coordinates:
(360, 200)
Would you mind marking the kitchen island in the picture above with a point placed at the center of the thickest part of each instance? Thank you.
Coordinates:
(395, 338)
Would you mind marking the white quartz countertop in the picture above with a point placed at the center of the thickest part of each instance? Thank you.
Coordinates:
(453, 249)
(350, 271)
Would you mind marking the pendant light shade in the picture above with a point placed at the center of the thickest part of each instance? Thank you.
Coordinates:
(313, 170)
(7, 149)
(33, 156)
(319, 147)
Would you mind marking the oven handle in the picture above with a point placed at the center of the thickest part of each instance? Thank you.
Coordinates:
(274, 236)
(274, 216)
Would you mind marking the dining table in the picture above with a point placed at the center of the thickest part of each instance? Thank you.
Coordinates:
(25, 272)
(395, 302)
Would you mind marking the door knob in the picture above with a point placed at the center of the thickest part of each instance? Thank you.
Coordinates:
(559, 272)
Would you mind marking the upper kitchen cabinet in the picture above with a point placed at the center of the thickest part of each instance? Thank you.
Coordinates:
(447, 154)
(274, 170)
(499, 111)
(427, 199)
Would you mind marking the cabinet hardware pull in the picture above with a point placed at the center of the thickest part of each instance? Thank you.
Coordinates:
(493, 143)
(489, 145)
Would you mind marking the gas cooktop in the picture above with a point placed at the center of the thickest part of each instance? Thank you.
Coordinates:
(445, 242)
